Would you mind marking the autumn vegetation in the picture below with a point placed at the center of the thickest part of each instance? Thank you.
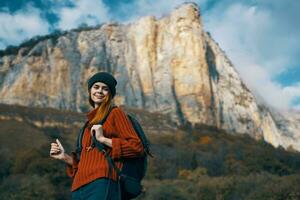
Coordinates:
(200, 163)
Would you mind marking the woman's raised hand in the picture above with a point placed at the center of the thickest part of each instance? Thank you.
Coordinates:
(57, 151)
(98, 131)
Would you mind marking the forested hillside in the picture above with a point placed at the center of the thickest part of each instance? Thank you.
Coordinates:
(198, 163)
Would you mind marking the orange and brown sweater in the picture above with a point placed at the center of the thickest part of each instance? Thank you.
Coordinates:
(93, 165)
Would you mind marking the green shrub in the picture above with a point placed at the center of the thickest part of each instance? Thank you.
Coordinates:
(165, 192)
(26, 187)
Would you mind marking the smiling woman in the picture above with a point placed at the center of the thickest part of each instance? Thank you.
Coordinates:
(92, 177)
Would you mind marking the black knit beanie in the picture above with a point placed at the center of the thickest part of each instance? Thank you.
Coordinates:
(106, 78)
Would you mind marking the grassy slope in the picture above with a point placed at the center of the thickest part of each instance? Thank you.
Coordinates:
(201, 163)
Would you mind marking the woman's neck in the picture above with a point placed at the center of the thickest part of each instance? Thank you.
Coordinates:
(96, 106)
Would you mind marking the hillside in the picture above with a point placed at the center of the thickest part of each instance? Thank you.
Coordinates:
(200, 163)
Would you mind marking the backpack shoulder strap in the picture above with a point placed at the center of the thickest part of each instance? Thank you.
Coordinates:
(79, 139)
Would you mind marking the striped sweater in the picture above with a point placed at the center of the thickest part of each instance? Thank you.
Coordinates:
(93, 165)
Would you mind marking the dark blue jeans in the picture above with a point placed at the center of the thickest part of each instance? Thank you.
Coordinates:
(97, 190)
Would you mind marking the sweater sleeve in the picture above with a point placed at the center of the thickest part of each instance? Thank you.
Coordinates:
(128, 144)
(72, 169)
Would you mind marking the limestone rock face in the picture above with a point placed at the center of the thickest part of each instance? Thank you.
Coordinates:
(170, 65)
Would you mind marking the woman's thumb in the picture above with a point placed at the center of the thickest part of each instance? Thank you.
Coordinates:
(59, 144)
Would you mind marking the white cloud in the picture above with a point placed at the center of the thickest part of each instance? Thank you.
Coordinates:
(255, 40)
(20, 26)
(293, 92)
(297, 107)
(145, 8)
(90, 12)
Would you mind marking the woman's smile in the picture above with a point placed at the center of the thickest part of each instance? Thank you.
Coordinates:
(99, 96)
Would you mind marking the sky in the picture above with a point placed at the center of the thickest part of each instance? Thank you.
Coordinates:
(260, 37)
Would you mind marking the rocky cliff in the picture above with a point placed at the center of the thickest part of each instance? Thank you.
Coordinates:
(168, 65)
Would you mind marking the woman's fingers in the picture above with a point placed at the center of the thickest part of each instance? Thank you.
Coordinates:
(54, 154)
(59, 144)
(96, 129)
(54, 151)
(55, 148)
(54, 145)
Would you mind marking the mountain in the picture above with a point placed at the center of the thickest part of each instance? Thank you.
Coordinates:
(169, 65)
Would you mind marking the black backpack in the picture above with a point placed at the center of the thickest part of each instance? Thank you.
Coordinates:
(134, 169)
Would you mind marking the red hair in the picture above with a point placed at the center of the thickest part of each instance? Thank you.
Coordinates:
(102, 110)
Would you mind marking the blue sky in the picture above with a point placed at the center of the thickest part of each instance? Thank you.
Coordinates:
(261, 37)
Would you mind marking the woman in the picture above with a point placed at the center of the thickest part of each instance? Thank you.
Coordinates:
(91, 176)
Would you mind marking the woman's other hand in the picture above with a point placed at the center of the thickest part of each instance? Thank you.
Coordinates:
(57, 151)
(98, 131)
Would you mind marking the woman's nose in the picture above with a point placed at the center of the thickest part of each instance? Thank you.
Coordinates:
(100, 90)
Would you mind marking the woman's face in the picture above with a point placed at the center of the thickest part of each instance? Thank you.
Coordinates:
(99, 91)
